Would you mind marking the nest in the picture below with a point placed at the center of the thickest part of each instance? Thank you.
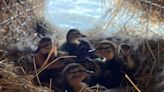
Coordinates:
(18, 26)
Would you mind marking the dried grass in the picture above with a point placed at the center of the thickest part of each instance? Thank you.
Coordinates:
(17, 28)
(10, 81)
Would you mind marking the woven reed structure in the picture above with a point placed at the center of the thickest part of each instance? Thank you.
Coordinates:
(155, 8)
(18, 21)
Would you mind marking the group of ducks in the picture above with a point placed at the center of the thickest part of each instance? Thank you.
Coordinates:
(87, 67)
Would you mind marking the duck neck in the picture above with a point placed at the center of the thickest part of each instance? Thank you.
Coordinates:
(79, 87)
